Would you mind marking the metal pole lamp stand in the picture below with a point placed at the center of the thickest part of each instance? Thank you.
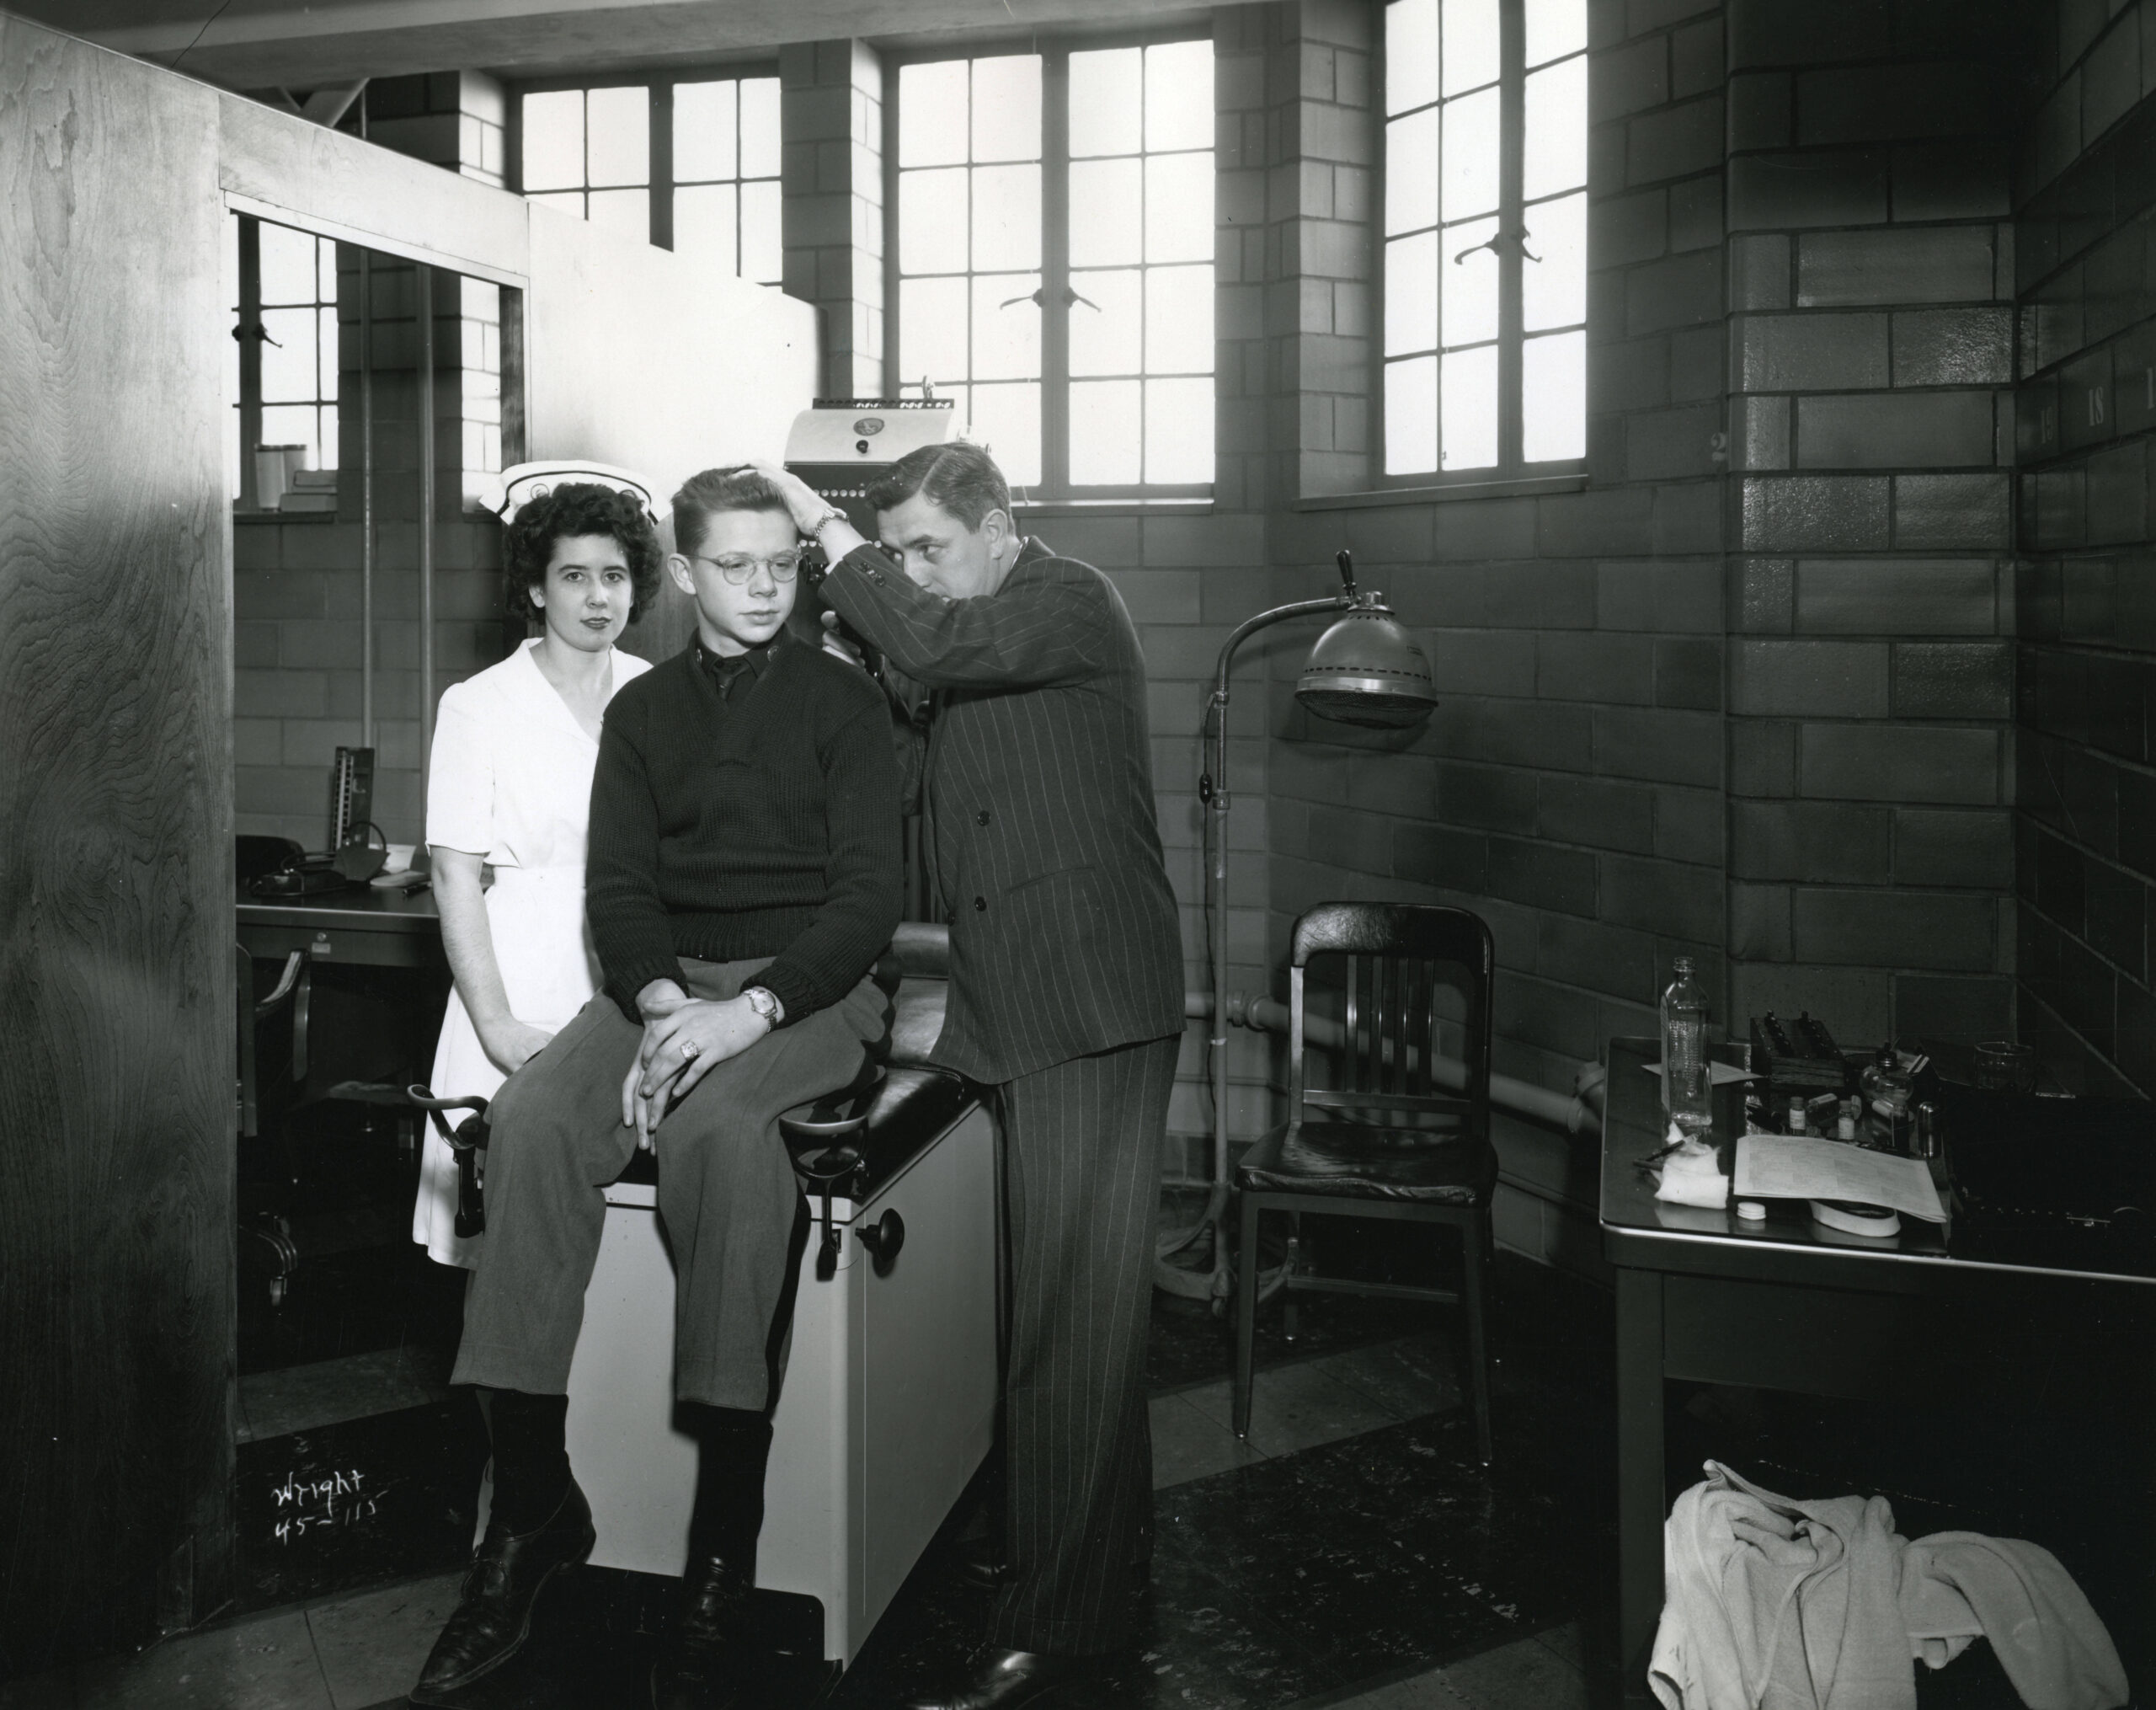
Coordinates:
(1365, 670)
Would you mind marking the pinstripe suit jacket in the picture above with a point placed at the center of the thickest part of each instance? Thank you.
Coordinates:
(1038, 780)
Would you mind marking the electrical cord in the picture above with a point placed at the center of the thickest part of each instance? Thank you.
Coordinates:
(198, 34)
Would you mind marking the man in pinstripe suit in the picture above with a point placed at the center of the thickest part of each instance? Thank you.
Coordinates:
(1066, 996)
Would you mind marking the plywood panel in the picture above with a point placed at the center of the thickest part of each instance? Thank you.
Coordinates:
(637, 358)
(352, 190)
(116, 1150)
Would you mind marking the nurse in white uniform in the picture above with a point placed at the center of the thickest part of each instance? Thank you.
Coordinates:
(509, 792)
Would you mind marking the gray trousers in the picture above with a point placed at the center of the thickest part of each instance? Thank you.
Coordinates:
(1082, 1174)
(727, 1194)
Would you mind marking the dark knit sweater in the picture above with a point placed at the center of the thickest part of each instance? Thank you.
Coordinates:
(759, 818)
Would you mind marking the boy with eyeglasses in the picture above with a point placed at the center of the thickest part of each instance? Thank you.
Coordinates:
(744, 875)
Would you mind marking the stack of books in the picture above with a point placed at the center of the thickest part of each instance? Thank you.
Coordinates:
(311, 489)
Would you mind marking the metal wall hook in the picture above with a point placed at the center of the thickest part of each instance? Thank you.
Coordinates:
(1518, 234)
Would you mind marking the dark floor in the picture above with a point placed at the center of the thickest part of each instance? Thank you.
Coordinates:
(1351, 1553)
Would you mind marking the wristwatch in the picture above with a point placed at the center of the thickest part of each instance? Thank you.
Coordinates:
(765, 1003)
(831, 514)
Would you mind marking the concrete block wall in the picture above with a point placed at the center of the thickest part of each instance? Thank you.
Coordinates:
(1871, 668)
(2086, 586)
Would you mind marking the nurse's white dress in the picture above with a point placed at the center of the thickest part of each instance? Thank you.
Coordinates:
(511, 782)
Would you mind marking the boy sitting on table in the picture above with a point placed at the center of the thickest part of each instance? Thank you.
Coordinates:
(744, 875)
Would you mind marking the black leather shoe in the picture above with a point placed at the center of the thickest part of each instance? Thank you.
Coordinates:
(1002, 1679)
(706, 1661)
(492, 1616)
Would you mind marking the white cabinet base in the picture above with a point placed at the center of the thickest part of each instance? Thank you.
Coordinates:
(886, 1410)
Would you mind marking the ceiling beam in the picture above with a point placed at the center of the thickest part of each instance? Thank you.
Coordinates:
(257, 44)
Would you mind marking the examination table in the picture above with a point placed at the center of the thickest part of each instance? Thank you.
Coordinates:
(888, 1403)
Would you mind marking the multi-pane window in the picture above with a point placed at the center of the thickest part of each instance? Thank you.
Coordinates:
(282, 287)
(726, 205)
(969, 246)
(690, 164)
(1056, 279)
(298, 272)
(1485, 277)
(588, 151)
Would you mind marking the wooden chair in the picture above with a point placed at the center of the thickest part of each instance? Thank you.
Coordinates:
(1407, 1134)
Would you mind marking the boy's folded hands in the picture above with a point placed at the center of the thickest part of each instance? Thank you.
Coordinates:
(684, 1038)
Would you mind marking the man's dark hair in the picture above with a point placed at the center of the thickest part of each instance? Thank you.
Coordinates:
(955, 477)
(703, 496)
(579, 508)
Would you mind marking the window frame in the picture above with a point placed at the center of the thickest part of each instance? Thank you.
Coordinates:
(1511, 470)
(1054, 487)
(659, 83)
(249, 331)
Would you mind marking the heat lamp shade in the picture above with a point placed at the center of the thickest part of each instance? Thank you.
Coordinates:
(1367, 670)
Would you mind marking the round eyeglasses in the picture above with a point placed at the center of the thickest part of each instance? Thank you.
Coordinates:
(737, 570)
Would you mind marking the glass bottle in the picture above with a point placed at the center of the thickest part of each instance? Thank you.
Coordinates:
(1686, 1086)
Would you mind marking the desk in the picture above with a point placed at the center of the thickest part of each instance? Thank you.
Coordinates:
(1786, 1305)
(368, 928)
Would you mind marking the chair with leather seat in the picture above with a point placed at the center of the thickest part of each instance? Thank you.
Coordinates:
(1406, 1135)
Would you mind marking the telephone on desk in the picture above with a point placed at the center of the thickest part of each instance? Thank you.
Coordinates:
(278, 867)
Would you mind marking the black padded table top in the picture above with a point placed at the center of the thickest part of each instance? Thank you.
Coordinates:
(916, 1106)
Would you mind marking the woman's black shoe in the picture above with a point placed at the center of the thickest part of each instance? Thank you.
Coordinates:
(1002, 1679)
(493, 1617)
(705, 1662)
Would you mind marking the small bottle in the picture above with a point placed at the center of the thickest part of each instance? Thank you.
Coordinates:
(1796, 1123)
(1686, 1089)
(1888, 1090)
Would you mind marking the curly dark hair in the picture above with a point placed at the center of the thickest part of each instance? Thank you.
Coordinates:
(572, 509)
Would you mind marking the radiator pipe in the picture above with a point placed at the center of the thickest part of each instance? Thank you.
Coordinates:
(1581, 1113)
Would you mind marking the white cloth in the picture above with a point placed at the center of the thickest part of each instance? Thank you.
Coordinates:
(1692, 1175)
(1775, 1604)
(510, 781)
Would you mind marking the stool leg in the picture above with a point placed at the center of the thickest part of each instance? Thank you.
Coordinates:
(1246, 1313)
(1473, 1241)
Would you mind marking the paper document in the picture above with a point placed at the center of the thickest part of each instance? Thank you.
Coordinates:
(1776, 1167)
(1719, 1074)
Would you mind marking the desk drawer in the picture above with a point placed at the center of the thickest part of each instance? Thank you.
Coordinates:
(400, 948)
(1867, 1346)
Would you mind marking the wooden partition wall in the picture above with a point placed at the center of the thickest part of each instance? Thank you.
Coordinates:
(117, 1148)
(116, 1300)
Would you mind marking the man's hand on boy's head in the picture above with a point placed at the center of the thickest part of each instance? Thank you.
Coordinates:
(806, 504)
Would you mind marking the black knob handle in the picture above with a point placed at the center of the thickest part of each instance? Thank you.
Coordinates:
(883, 1238)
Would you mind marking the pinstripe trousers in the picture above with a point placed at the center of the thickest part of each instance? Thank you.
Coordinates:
(1082, 1174)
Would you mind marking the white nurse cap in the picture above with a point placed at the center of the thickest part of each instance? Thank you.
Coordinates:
(510, 491)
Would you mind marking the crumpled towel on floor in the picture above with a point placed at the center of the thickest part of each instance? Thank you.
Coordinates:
(1775, 1604)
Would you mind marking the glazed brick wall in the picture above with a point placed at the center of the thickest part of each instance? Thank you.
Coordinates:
(296, 581)
(1870, 657)
(1569, 789)
(2086, 831)
(831, 203)
(297, 590)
